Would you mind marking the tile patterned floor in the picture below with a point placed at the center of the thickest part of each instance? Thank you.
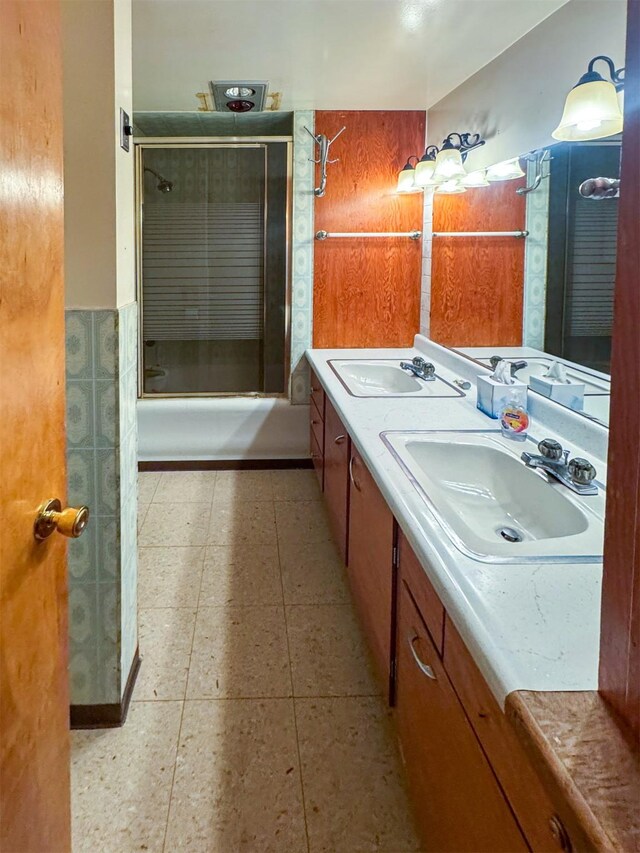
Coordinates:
(256, 724)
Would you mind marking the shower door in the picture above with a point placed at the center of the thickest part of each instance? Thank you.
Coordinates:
(213, 267)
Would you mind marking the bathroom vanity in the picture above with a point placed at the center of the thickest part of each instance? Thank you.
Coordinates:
(463, 623)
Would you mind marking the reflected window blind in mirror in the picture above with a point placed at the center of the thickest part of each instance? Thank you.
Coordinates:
(581, 260)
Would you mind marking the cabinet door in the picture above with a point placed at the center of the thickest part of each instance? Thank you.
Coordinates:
(371, 562)
(544, 829)
(336, 476)
(457, 801)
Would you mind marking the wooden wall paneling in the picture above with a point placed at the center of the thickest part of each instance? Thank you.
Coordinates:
(620, 624)
(477, 283)
(367, 290)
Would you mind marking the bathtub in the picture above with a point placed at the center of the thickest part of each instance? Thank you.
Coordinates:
(221, 428)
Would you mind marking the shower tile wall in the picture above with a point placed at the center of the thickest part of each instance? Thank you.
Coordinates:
(102, 471)
(302, 254)
(535, 259)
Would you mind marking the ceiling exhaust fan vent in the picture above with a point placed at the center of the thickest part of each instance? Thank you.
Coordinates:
(239, 96)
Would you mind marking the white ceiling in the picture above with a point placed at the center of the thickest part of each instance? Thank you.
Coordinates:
(322, 54)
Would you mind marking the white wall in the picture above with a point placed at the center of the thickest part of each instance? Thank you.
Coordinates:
(516, 100)
(98, 174)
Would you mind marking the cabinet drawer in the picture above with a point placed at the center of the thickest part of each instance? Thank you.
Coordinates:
(337, 448)
(532, 805)
(316, 424)
(317, 395)
(456, 797)
(424, 594)
(317, 459)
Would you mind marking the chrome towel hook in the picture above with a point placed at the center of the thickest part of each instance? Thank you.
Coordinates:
(539, 158)
(323, 144)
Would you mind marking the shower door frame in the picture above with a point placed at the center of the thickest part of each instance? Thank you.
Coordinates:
(154, 142)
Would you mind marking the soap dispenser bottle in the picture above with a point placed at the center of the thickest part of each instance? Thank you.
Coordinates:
(514, 419)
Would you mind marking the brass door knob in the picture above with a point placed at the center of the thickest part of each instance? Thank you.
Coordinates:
(70, 521)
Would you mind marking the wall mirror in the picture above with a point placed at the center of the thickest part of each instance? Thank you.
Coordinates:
(570, 265)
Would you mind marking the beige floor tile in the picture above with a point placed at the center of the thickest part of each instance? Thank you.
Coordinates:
(169, 577)
(236, 486)
(241, 523)
(142, 514)
(175, 524)
(147, 484)
(239, 652)
(302, 521)
(295, 485)
(165, 636)
(312, 573)
(328, 653)
(355, 798)
(189, 486)
(241, 575)
(237, 783)
(121, 781)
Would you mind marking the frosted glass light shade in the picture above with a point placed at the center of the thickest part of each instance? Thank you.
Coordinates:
(424, 173)
(449, 165)
(406, 179)
(475, 179)
(452, 187)
(508, 170)
(591, 111)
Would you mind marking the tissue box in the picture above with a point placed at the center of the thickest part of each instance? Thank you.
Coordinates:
(569, 394)
(493, 396)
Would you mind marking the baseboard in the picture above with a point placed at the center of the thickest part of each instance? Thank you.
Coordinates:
(107, 716)
(224, 464)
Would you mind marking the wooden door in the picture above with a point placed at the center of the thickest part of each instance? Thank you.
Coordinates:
(370, 567)
(34, 702)
(336, 476)
(458, 803)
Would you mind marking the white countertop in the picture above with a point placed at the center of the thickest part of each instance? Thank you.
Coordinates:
(528, 626)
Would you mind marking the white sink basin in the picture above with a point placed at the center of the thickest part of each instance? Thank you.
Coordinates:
(491, 505)
(385, 378)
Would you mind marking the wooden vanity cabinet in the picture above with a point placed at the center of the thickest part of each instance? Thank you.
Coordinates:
(457, 801)
(337, 447)
(316, 428)
(370, 567)
(545, 827)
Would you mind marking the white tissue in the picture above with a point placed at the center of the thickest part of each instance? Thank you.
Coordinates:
(502, 373)
(557, 373)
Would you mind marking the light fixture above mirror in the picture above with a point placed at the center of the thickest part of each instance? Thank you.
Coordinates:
(438, 165)
(593, 109)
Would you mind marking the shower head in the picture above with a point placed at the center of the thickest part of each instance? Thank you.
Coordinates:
(163, 185)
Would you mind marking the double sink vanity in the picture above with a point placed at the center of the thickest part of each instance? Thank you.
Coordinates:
(476, 576)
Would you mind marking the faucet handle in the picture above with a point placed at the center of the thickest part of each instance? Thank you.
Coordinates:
(550, 448)
(581, 471)
(418, 362)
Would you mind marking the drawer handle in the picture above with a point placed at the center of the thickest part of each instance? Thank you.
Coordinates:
(423, 667)
(339, 439)
(315, 423)
(351, 477)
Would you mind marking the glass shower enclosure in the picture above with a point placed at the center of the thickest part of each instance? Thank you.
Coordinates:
(213, 267)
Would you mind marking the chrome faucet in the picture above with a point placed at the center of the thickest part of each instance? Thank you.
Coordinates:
(420, 368)
(576, 474)
(515, 365)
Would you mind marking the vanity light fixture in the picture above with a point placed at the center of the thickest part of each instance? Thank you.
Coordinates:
(406, 177)
(451, 157)
(438, 165)
(593, 108)
(508, 170)
(475, 179)
(425, 168)
(451, 187)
